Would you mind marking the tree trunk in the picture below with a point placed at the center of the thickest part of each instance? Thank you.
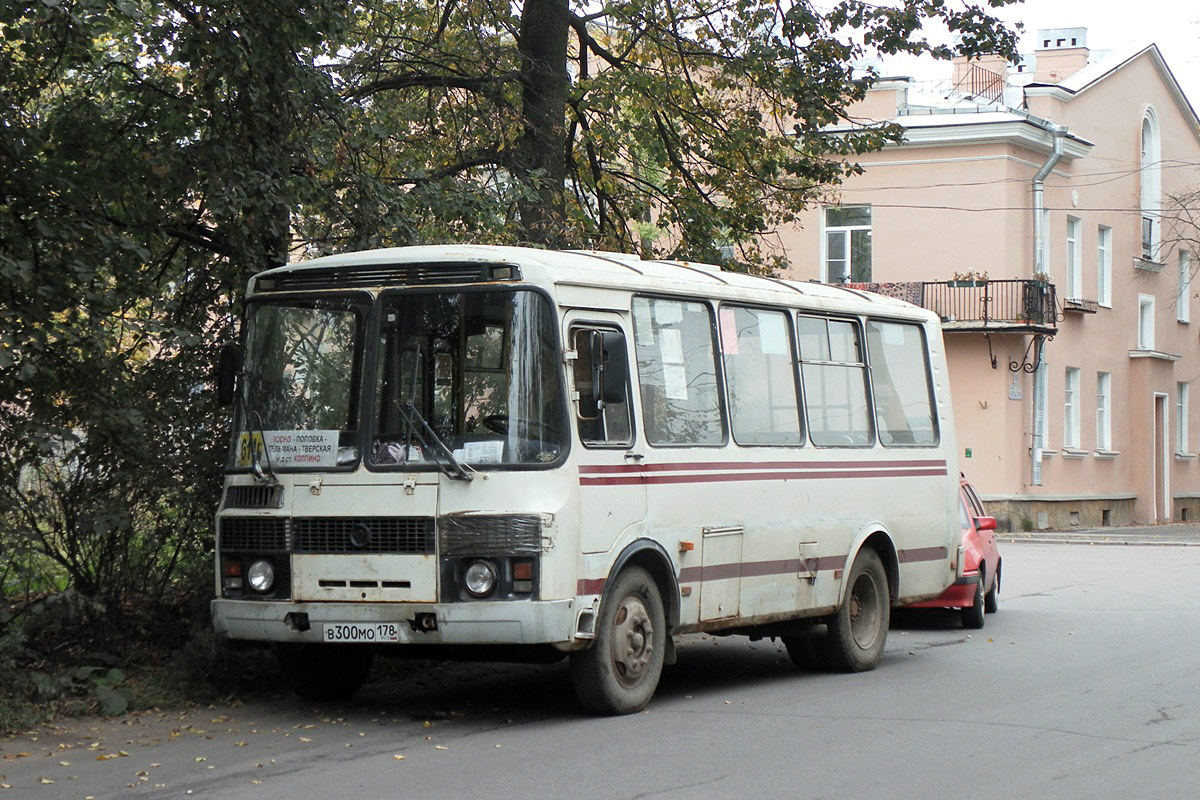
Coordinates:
(540, 162)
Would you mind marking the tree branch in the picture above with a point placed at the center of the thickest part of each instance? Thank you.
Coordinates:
(485, 85)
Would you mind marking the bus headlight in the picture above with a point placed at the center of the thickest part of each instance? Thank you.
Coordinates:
(480, 578)
(261, 576)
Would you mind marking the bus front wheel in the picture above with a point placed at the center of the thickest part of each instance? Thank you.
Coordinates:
(325, 672)
(858, 629)
(619, 672)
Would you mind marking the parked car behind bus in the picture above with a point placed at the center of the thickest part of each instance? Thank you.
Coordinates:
(978, 590)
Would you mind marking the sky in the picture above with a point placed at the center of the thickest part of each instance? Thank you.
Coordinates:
(1174, 25)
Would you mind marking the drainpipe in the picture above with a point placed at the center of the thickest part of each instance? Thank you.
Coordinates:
(1039, 266)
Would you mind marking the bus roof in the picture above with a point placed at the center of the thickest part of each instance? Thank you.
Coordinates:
(599, 270)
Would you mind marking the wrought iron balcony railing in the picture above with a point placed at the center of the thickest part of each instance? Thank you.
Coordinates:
(1019, 305)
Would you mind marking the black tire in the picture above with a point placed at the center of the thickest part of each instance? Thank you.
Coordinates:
(858, 629)
(325, 672)
(619, 672)
(972, 615)
(991, 600)
(805, 652)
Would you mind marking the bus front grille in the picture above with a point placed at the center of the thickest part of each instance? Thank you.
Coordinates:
(326, 535)
(254, 534)
(254, 497)
(518, 534)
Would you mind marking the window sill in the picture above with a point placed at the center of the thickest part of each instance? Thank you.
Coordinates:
(1107, 455)
(1184, 456)
(1071, 452)
(1049, 453)
(1146, 265)
(1142, 352)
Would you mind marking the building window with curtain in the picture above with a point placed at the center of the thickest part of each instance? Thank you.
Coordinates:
(848, 244)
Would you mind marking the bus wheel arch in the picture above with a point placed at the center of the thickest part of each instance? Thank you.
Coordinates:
(881, 542)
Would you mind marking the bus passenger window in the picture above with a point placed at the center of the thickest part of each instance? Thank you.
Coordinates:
(900, 378)
(677, 372)
(835, 382)
(599, 423)
(760, 376)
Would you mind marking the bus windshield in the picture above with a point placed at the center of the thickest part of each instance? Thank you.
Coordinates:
(300, 383)
(479, 368)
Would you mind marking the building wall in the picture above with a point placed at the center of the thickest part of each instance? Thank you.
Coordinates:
(937, 210)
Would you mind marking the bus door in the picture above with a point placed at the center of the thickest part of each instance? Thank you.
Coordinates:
(612, 492)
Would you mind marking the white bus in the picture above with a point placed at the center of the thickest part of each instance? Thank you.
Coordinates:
(504, 452)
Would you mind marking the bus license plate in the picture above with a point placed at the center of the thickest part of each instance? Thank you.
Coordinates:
(350, 633)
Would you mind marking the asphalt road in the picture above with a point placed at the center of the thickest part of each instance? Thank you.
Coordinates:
(1084, 685)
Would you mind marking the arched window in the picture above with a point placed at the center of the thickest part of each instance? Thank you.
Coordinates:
(1151, 201)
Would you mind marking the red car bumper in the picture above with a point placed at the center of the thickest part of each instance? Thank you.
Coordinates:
(960, 594)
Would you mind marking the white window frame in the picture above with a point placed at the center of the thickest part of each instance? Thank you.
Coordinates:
(1104, 266)
(1182, 392)
(1103, 411)
(847, 235)
(1074, 259)
(1151, 182)
(1183, 298)
(1046, 244)
(1042, 387)
(1071, 409)
(1145, 322)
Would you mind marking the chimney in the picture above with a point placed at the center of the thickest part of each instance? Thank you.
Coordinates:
(886, 99)
(1059, 54)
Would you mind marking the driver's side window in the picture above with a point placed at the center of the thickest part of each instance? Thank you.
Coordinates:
(600, 423)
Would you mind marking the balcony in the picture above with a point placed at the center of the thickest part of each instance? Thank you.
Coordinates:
(994, 306)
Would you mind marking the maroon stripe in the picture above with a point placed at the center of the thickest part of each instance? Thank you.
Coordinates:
(757, 569)
(922, 554)
(726, 466)
(589, 586)
(628, 480)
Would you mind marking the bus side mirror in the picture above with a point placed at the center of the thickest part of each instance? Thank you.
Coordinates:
(609, 367)
(227, 369)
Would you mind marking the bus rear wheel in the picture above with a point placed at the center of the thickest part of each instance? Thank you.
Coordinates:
(325, 672)
(619, 672)
(858, 629)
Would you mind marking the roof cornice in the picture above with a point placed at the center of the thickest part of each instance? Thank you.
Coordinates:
(1020, 133)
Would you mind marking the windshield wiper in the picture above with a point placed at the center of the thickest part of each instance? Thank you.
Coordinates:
(452, 468)
(256, 468)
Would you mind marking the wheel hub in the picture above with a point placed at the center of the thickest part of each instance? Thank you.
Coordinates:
(633, 641)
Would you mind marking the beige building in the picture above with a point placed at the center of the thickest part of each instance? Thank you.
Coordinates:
(1032, 206)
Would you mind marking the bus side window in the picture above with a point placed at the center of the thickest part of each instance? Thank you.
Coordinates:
(834, 374)
(601, 421)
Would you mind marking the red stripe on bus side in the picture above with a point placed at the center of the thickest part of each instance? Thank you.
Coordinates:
(726, 466)
(589, 586)
(922, 554)
(758, 569)
(630, 480)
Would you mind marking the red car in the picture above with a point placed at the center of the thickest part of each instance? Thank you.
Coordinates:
(978, 590)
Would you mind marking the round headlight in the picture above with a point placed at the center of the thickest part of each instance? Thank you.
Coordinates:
(261, 576)
(480, 578)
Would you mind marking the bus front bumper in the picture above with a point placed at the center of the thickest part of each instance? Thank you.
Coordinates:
(528, 622)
